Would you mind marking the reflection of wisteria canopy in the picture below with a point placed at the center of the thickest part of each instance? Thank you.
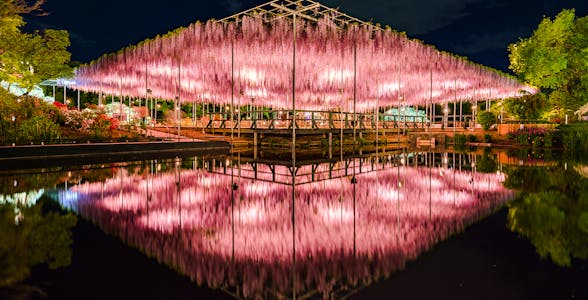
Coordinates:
(187, 220)
(195, 63)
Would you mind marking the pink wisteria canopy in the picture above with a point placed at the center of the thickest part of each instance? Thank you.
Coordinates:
(251, 61)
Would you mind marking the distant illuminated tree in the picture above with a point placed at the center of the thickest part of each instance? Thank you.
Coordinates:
(555, 58)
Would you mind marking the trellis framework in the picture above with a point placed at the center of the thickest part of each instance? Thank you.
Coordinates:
(338, 63)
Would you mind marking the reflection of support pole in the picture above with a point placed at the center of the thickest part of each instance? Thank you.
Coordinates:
(330, 145)
(255, 137)
(354, 92)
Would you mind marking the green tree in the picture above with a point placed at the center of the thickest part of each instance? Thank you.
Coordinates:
(11, 11)
(30, 58)
(555, 59)
(527, 107)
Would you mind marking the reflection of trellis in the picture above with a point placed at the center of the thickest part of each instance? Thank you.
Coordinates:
(189, 220)
(305, 9)
(267, 170)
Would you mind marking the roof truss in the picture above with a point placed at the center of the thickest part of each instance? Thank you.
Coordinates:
(307, 9)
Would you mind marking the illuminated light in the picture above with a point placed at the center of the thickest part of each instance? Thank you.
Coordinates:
(334, 214)
(15, 183)
(335, 76)
(251, 75)
(388, 89)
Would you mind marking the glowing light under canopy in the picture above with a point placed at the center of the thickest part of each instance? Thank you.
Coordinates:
(246, 239)
(201, 62)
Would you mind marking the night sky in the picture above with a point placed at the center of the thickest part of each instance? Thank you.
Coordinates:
(478, 29)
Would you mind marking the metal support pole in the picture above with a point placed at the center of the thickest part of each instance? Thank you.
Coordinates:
(178, 109)
(294, 156)
(232, 112)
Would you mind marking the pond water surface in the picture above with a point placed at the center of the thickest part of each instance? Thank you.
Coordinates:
(370, 226)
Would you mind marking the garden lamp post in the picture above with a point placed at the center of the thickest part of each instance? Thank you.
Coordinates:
(13, 130)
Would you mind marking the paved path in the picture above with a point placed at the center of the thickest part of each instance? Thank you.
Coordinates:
(170, 137)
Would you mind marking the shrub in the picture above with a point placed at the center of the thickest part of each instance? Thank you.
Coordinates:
(472, 138)
(574, 138)
(39, 128)
(459, 139)
(487, 138)
(534, 136)
(537, 141)
(486, 119)
(486, 164)
(548, 140)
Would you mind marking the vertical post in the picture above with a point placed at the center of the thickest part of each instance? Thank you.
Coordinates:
(232, 112)
(430, 108)
(146, 97)
(398, 107)
(54, 92)
(454, 103)
(78, 99)
(100, 95)
(460, 112)
(129, 113)
(64, 94)
(178, 109)
(294, 156)
(120, 108)
(354, 92)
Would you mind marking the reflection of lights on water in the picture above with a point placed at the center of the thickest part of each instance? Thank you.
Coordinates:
(256, 225)
(69, 199)
(391, 194)
(251, 215)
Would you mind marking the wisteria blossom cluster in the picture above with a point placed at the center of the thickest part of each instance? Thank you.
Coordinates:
(251, 238)
(251, 63)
